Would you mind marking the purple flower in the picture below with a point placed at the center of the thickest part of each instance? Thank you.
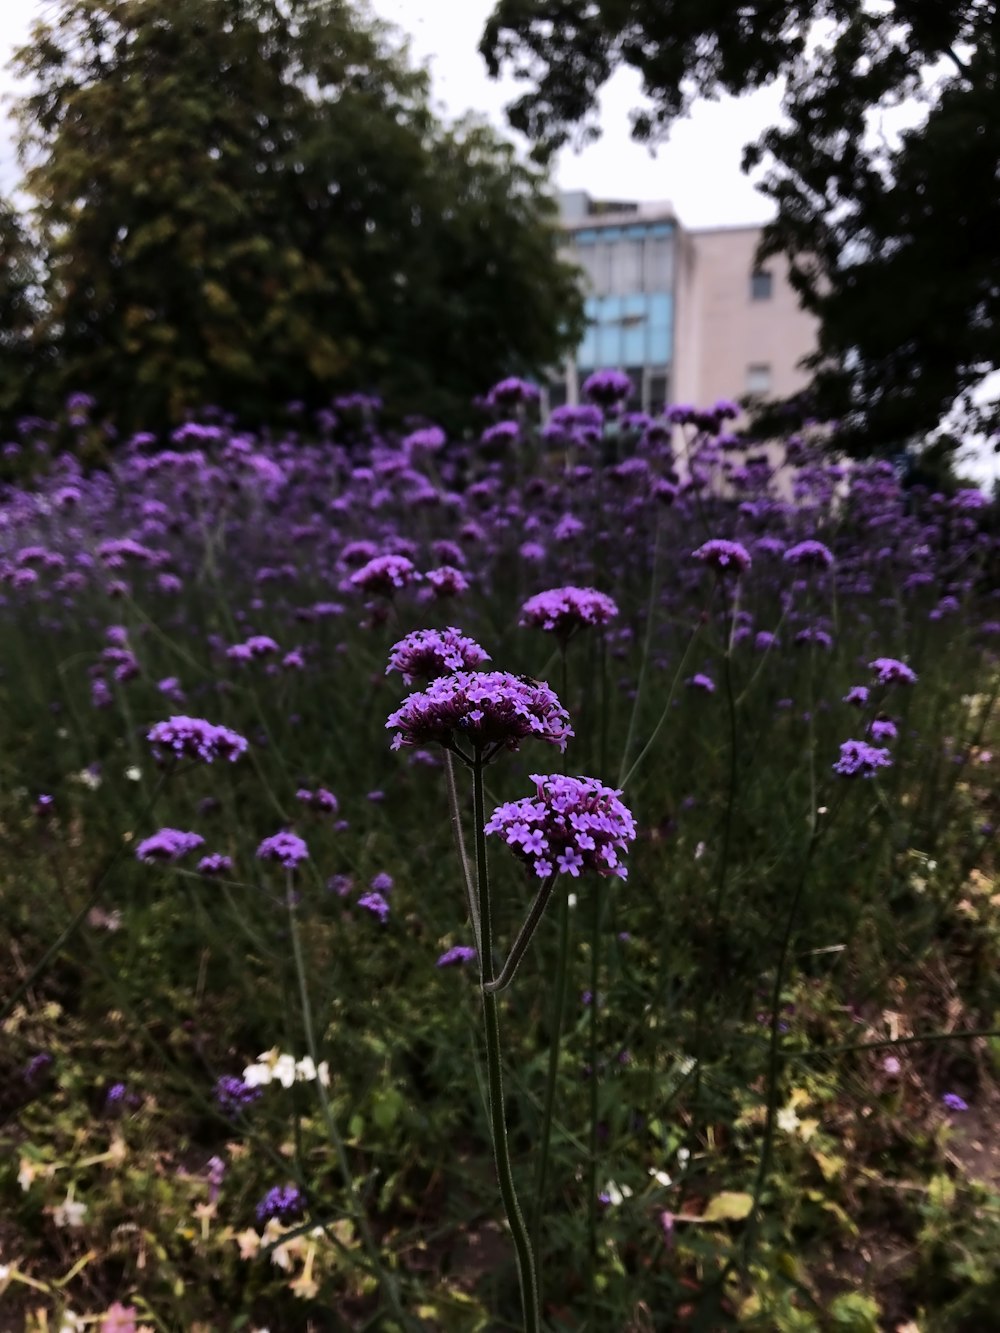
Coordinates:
(169, 844)
(215, 864)
(883, 729)
(427, 653)
(447, 581)
(491, 709)
(194, 738)
(283, 1202)
(809, 555)
(857, 695)
(382, 883)
(427, 441)
(858, 757)
(562, 611)
(458, 953)
(502, 433)
(607, 387)
(257, 646)
(385, 575)
(512, 392)
(233, 1095)
(286, 848)
(890, 671)
(375, 903)
(700, 681)
(320, 799)
(954, 1102)
(578, 822)
(724, 556)
(36, 1065)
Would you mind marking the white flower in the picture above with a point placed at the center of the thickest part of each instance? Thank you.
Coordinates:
(788, 1120)
(324, 1073)
(133, 773)
(683, 1157)
(660, 1177)
(305, 1069)
(257, 1076)
(89, 779)
(699, 851)
(616, 1194)
(70, 1213)
(284, 1070)
(571, 900)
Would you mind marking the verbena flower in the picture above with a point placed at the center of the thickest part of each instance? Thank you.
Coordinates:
(890, 671)
(883, 729)
(288, 849)
(320, 799)
(857, 695)
(724, 556)
(376, 904)
(283, 1202)
(511, 392)
(699, 681)
(194, 738)
(860, 758)
(427, 653)
(169, 844)
(570, 825)
(809, 555)
(607, 387)
(458, 953)
(954, 1102)
(447, 581)
(385, 575)
(257, 646)
(561, 611)
(215, 864)
(234, 1096)
(488, 708)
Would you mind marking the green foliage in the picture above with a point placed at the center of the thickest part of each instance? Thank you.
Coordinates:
(892, 246)
(245, 203)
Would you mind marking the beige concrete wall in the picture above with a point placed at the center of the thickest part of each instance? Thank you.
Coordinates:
(721, 331)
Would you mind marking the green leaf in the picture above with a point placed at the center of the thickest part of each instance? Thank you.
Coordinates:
(728, 1206)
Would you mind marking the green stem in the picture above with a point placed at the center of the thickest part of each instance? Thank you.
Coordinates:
(555, 1040)
(471, 896)
(595, 939)
(535, 914)
(498, 1123)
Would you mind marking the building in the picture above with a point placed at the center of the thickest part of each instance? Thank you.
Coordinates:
(685, 312)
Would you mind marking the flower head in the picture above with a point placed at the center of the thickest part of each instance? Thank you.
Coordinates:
(194, 738)
(858, 757)
(511, 392)
(489, 708)
(607, 387)
(890, 671)
(809, 555)
(458, 953)
(284, 1202)
(385, 575)
(954, 1102)
(234, 1096)
(560, 611)
(427, 653)
(376, 904)
(724, 556)
(169, 844)
(570, 825)
(288, 849)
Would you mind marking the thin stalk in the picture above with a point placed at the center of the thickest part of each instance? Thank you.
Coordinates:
(386, 1280)
(595, 939)
(471, 896)
(552, 1073)
(524, 937)
(494, 1067)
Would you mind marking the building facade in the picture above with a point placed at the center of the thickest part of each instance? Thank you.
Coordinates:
(686, 313)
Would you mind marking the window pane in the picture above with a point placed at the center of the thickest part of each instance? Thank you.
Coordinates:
(760, 286)
(758, 379)
(626, 274)
(660, 264)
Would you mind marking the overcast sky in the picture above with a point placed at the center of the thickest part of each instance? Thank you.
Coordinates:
(698, 170)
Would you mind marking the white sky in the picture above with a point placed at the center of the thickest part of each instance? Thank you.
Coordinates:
(698, 169)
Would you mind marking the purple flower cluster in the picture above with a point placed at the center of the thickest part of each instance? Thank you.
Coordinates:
(194, 738)
(562, 611)
(489, 709)
(169, 844)
(809, 555)
(858, 758)
(426, 654)
(569, 825)
(283, 1202)
(607, 387)
(458, 953)
(890, 671)
(724, 556)
(385, 575)
(286, 848)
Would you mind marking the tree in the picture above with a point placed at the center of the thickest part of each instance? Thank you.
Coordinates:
(248, 202)
(20, 362)
(892, 245)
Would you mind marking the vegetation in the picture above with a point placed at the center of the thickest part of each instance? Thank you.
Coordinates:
(247, 203)
(890, 239)
(751, 1086)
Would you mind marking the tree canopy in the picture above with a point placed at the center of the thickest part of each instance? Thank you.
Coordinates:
(247, 202)
(892, 243)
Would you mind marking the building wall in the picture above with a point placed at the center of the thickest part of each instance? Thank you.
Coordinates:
(689, 313)
(723, 331)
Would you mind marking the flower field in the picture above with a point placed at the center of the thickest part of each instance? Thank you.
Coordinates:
(670, 758)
